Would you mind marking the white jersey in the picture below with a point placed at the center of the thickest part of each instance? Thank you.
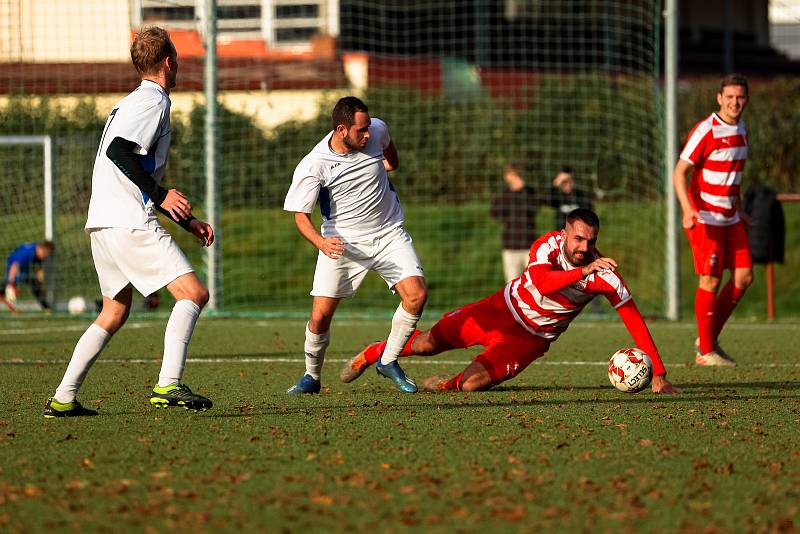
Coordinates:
(355, 196)
(141, 117)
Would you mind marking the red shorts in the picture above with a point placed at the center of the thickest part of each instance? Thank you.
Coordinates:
(716, 248)
(509, 347)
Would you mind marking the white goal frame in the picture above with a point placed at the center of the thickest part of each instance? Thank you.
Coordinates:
(49, 216)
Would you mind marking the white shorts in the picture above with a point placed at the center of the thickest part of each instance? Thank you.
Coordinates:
(391, 255)
(147, 259)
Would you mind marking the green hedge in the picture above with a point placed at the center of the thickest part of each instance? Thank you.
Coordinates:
(451, 151)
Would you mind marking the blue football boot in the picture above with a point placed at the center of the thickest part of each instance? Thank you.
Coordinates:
(307, 384)
(393, 372)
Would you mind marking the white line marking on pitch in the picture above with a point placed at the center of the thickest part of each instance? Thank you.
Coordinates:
(263, 323)
(19, 361)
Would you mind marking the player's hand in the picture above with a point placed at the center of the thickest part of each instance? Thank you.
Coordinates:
(746, 220)
(599, 265)
(11, 297)
(177, 205)
(333, 247)
(203, 231)
(660, 384)
(689, 218)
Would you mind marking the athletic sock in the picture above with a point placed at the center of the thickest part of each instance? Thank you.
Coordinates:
(726, 302)
(176, 341)
(403, 325)
(704, 306)
(454, 384)
(314, 348)
(87, 349)
(373, 353)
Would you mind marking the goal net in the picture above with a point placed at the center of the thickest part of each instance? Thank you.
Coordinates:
(466, 87)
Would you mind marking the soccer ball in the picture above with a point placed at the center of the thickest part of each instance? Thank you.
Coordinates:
(76, 305)
(630, 370)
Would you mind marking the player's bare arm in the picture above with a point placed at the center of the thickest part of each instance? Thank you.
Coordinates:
(203, 231)
(333, 247)
(680, 178)
(390, 158)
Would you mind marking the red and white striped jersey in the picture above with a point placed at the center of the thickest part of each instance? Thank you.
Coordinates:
(548, 315)
(718, 151)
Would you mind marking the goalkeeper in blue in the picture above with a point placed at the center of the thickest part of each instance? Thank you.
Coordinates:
(24, 266)
(130, 248)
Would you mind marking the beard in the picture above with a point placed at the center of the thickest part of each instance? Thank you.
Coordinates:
(579, 262)
(351, 145)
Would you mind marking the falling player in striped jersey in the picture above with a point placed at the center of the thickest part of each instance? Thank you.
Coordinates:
(713, 160)
(517, 324)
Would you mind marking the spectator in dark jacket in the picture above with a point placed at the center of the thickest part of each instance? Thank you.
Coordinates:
(515, 208)
(565, 197)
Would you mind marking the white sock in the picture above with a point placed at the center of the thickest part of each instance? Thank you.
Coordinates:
(176, 341)
(87, 349)
(403, 325)
(314, 348)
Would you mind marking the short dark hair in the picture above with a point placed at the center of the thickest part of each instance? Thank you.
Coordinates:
(567, 169)
(587, 216)
(733, 79)
(149, 48)
(344, 112)
(49, 245)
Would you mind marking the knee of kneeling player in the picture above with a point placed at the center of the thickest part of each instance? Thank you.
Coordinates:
(477, 382)
(743, 281)
(200, 297)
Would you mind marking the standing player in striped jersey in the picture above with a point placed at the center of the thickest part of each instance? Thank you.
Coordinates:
(517, 324)
(713, 160)
(130, 248)
(362, 230)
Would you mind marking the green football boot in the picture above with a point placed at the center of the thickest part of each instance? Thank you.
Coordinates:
(178, 395)
(54, 409)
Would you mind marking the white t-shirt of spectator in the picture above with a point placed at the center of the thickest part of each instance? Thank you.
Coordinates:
(356, 198)
(142, 117)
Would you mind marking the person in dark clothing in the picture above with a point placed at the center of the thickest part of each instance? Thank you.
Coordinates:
(565, 197)
(516, 209)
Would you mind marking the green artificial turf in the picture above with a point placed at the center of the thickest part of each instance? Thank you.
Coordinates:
(555, 450)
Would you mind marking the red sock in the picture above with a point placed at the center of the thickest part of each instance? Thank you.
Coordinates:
(704, 306)
(726, 302)
(373, 352)
(454, 384)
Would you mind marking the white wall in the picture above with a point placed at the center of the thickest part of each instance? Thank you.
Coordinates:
(64, 30)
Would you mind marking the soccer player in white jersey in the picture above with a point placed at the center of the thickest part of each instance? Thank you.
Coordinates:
(517, 324)
(713, 160)
(129, 246)
(362, 230)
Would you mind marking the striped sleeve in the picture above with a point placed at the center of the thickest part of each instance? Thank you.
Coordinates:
(696, 146)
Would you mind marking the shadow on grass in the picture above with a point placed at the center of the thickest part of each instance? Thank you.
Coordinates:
(489, 399)
(680, 386)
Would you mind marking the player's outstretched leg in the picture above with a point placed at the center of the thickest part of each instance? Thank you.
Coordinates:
(359, 363)
(179, 396)
(54, 409)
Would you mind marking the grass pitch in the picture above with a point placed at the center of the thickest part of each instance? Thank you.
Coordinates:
(555, 450)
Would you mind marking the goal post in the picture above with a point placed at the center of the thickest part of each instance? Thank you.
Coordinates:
(46, 142)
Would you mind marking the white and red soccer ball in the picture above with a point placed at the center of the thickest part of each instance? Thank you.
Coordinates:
(630, 370)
